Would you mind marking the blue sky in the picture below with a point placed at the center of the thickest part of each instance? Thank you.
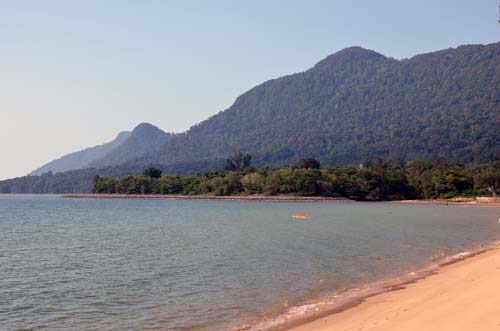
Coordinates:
(75, 73)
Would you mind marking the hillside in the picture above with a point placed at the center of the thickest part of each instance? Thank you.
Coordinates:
(353, 106)
(357, 105)
(81, 159)
(145, 139)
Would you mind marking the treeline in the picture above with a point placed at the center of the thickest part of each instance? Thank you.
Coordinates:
(74, 181)
(379, 180)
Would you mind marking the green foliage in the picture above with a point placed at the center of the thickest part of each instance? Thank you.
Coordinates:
(353, 106)
(238, 160)
(309, 163)
(152, 172)
(379, 180)
(486, 179)
(357, 105)
(75, 181)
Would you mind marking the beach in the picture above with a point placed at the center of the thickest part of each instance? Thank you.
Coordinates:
(461, 296)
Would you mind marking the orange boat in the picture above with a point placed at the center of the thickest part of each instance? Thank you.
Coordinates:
(300, 216)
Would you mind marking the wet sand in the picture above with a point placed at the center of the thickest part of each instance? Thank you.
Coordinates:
(462, 296)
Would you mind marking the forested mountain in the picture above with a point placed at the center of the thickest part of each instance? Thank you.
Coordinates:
(354, 106)
(145, 139)
(81, 159)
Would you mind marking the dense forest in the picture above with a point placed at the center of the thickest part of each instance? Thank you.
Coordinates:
(74, 181)
(353, 106)
(379, 180)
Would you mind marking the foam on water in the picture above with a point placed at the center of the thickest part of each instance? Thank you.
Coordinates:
(340, 301)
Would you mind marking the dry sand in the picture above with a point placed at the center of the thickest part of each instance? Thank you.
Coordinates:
(462, 296)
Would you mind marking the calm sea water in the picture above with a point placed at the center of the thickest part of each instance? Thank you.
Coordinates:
(205, 265)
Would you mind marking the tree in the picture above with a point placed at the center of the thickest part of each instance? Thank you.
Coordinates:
(488, 178)
(95, 183)
(152, 172)
(252, 183)
(309, 163)
(238, 160)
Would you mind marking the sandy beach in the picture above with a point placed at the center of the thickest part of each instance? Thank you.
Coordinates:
(461, 296)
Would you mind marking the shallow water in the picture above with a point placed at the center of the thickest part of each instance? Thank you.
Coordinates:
(71, 264)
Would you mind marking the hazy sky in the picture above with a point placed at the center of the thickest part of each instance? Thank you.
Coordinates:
(75, 73)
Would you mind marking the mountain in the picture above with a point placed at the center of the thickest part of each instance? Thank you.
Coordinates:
(81, 159)
(144, 140)
(353, 106)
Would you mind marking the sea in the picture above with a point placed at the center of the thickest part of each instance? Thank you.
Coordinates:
(182, 265)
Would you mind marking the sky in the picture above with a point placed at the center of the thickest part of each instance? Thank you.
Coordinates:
(75, 73)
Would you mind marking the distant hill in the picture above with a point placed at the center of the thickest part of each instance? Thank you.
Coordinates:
(353, 106)
(145, 139)
(81, 159)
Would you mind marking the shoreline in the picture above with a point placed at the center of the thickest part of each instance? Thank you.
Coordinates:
(353, 308)
(327, 312)
(255, 197)
(474, 202)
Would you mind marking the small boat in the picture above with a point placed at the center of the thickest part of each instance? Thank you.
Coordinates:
(300, 216)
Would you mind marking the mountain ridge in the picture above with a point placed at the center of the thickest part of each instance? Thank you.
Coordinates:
(82, 158)
(351, 107)
(144, 139)
(343, 88)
